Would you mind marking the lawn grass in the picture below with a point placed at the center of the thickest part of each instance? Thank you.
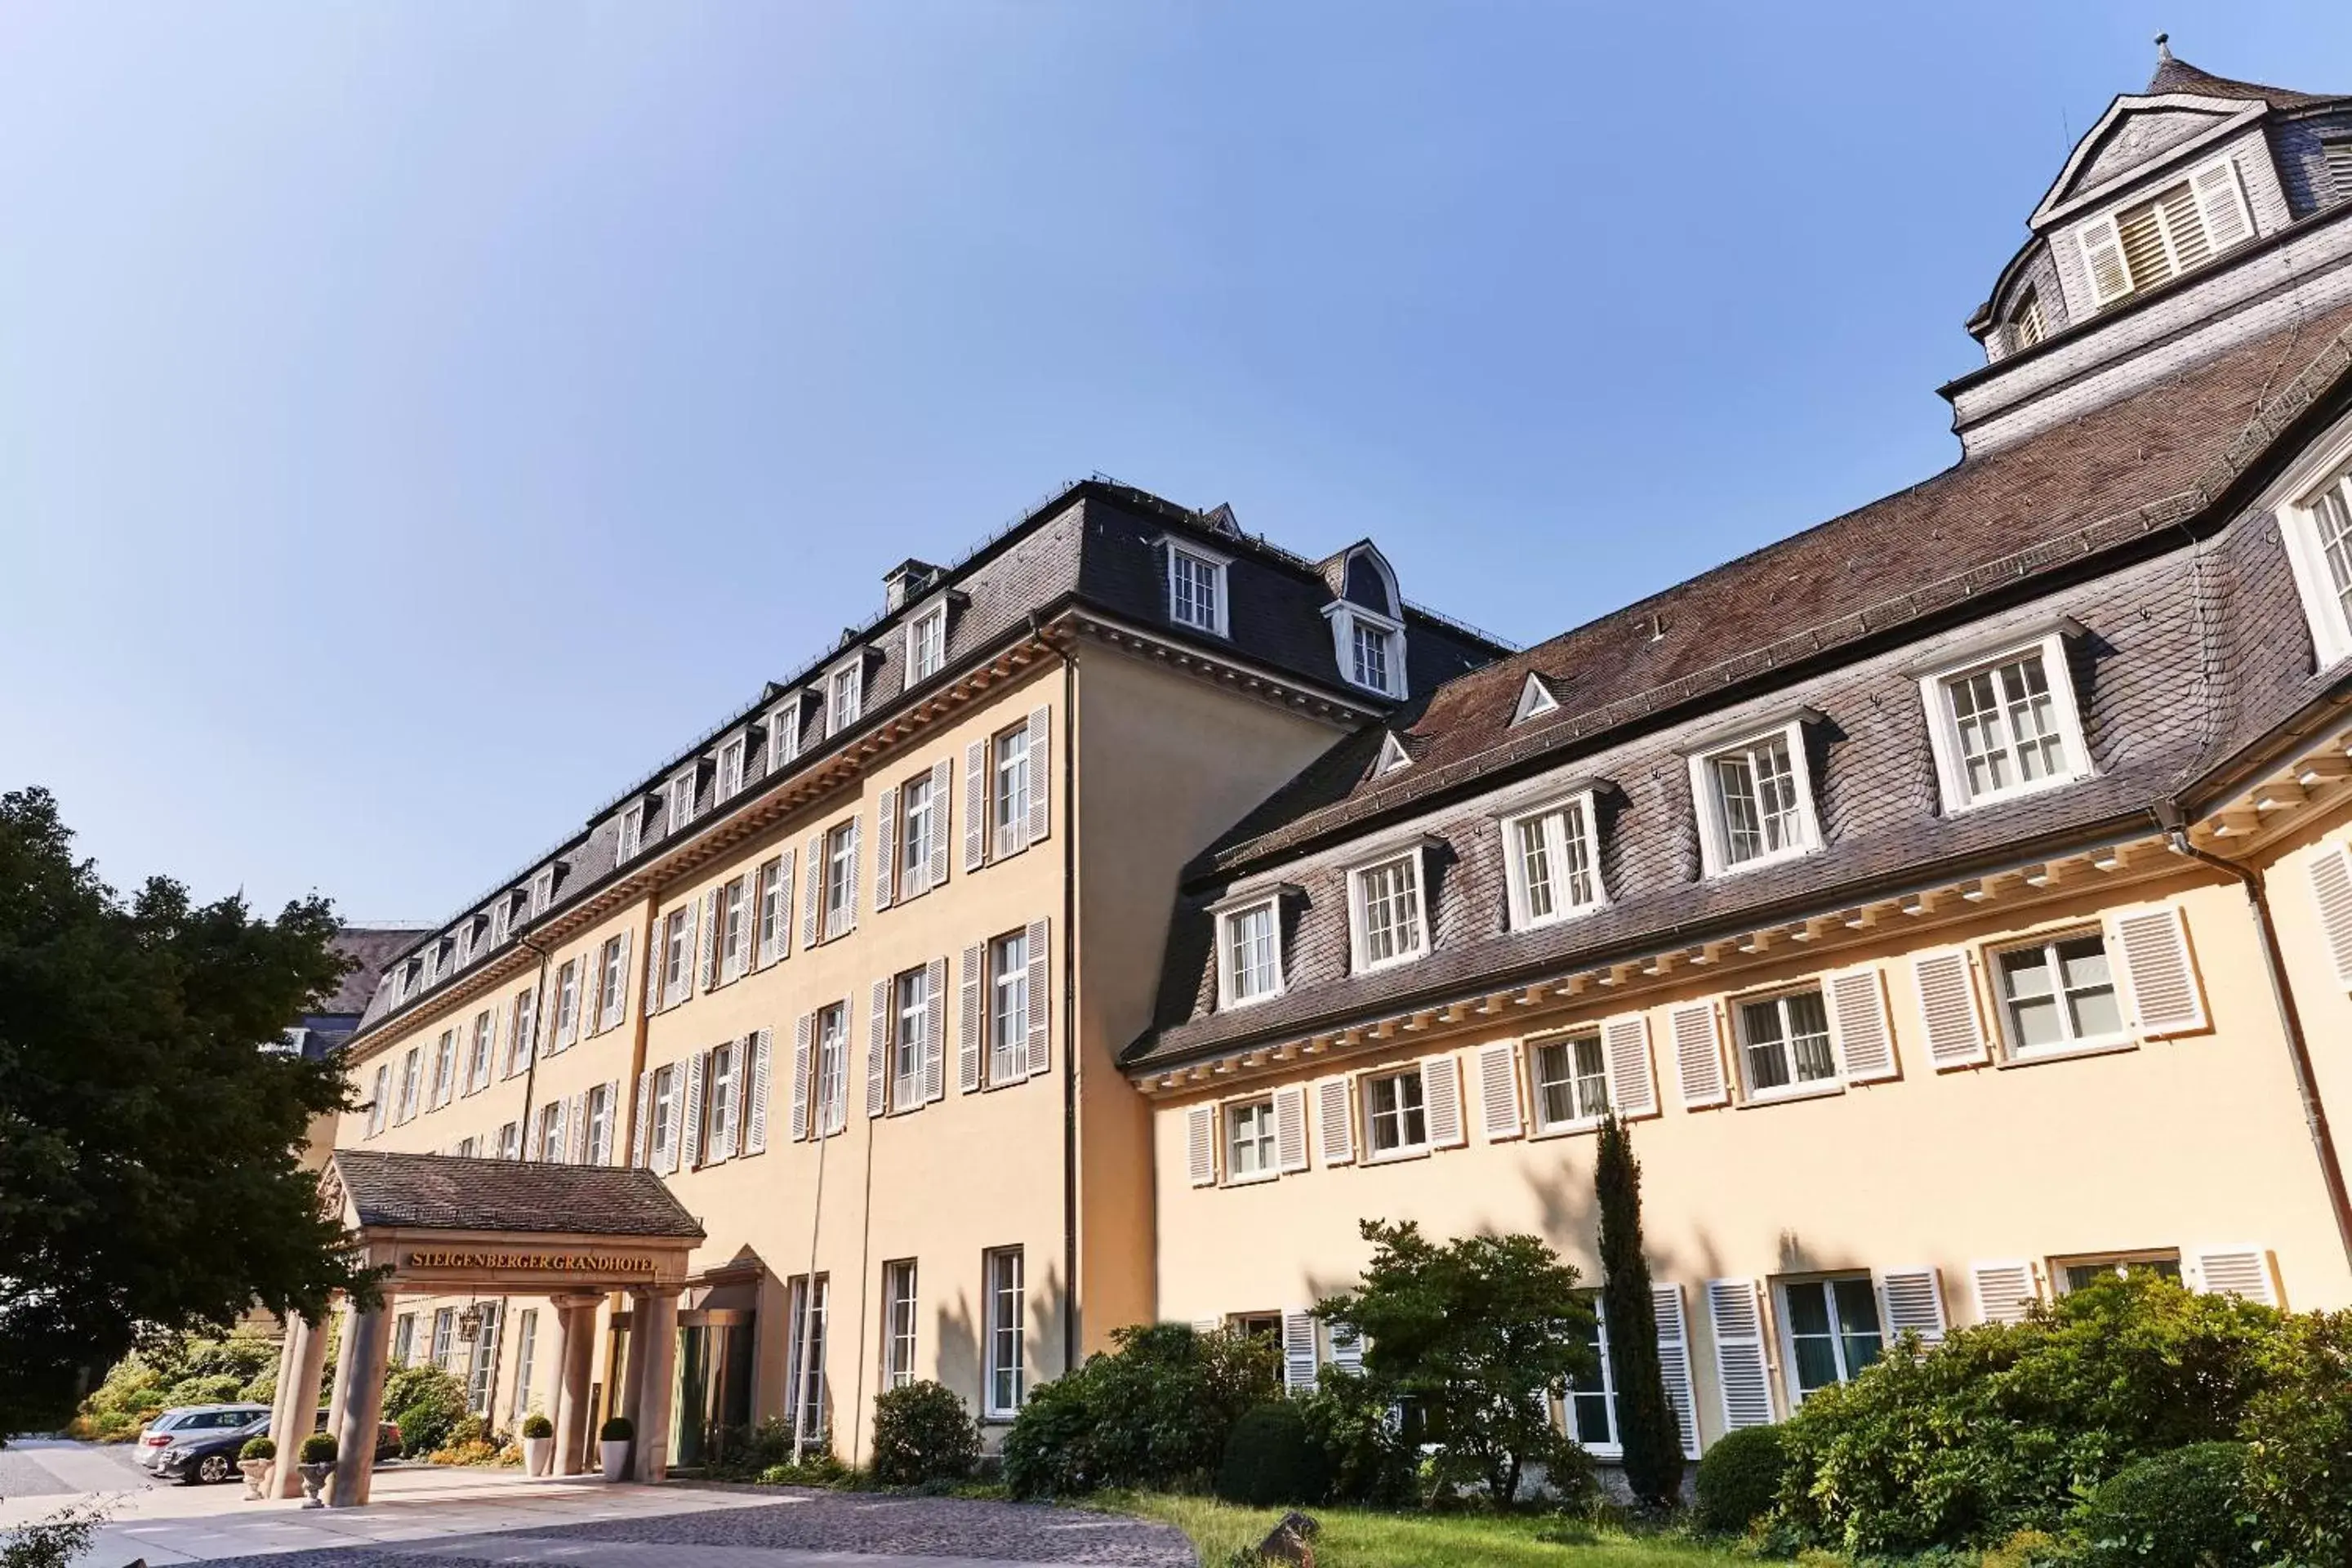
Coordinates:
(1358, 1538)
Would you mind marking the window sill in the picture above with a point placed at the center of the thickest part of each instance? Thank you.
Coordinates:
(1255, 1179)
(2020, 792)
(1568, 1129)
(2105, 1046)
(1573, 912)
(1398, 1156)
(1781, 1096)
(1375, 966)
(1227, 1005)
(1762, 862)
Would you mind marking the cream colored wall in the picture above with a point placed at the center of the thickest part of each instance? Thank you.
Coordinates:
(2321, 998)
(2171, 1144)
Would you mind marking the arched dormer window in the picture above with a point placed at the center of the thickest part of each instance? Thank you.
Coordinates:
(1368, 622)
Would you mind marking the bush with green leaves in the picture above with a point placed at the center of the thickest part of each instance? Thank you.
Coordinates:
(258, 1448)
(53, 1543)
(1271, 1458)
(1048, 1450)
(2185, 1507)
(923, 1432)
(1153, 1412)
(183, 1370)
(2298, 1435)
(2002, 1427)
(427, 1403)
(318, 1449)
(537, 1425)
(616, 1429)
(1367, 1458)
(1739, 1476)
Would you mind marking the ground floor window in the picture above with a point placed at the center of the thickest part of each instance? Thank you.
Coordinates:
(1257, 1325)
(804, 1369)
(484, 1360)
(444, 1336)
(1833, 1331)
(2074, 1273)
(1002, 1279)
(404, 1339)
(526, 1351)
(899, 1322)
(1591, 1407)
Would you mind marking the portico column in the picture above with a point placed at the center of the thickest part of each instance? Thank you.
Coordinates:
(342, 1378)
(652, 1348)
(575, 1352)
(300, 1359)
(367, 1346)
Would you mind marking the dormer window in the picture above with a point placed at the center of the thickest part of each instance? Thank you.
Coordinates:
(2005, 724)
(1552, 861)
(1535, 698)
(2318, 528)
(784, 734)
(542, 890)
(631, 836)
(1390, 917)
(1755, 800)
(681, 800)
(2336, 153)
(501, 918)
(2026, 327)
(845, 691)
(1367, 622)
(1249, 948)
(2137, 248)
(1392, 757)
(730, 766)
(1196, 588)
(1371, 659)
(927, 642)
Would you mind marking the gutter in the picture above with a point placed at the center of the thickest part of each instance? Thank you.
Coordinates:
(1070, 1336)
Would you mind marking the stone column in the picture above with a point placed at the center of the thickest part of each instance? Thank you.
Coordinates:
(653, 1349)
(342, 1376)
(575, 1354)
(359, 1396)
(300, 1359)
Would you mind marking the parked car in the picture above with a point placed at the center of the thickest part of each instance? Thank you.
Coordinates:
(210, 1454)
(388, 1436)
(187, 1421)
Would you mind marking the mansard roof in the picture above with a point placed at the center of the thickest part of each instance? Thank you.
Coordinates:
(2175, 75)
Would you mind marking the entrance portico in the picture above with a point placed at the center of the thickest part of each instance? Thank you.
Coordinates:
(437, 1225)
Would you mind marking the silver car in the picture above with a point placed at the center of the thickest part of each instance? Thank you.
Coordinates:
(194, 1423)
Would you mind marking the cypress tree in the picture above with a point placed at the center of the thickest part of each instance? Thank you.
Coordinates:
(1645, 1422)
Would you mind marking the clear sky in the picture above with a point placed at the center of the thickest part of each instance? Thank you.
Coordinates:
(418, 421)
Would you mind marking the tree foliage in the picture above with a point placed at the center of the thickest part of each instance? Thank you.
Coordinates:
(1155, 1412)
(150, 1181)
(1646, 1428)
(183, 1370)
(1476, 1336)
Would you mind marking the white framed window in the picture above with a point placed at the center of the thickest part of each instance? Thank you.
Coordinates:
(2155, 240)
(1249, 1141)
(445, 1067)
(466, 1147)
(567, 1002)
(1249, 946)
(730, 766)
(511, 1141)
(1590, 1409)
(465, 945)
(551, 1133)
(1196, 588)
(1755, 800)
(681, 800)
(1552, 861)
(1388, 917)
(614, 986)
(542, 890)
(840, 878)
(927, 642)
(2317, 524)
(910, 1005)
(1008, 791)
(501, 918)
(804, 1369)
(380, 1102)
(1571, 1078)
(844, 695)
(1830, 1330)
(832, 1067)
(444, 1336)
(2005, 724)
(1396, 1118)
(412, 1076)
(632, 832)
(1001, 1273)
(719, 1114)
(1008, 1007)
(2027, 326)
(1784, 1045)
(772, 910)
(526, 1353)
(404, 1339)
(662, 1112)
(2072, 1274)
(477, 1059)
(677, 951)
(2056, 994)
(899, 1322)
(525, 1031)
(918, 825)
(600, 1125)
(734, 928)
(784, 734)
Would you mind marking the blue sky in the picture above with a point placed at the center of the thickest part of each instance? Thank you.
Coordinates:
(418, 421)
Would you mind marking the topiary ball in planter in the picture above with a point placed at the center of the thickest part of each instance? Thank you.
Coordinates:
(1270, 1459)
(537, 1426)
(1739, 1479)
(2180, 1508)
(923, 1433)
(318, 1449)
(257, 1448)
(616, 1429)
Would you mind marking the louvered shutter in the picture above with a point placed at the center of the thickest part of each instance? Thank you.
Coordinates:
(942, 783)
(1498, 1091)
(676, 1138)
(886, 843)
(2222, 203)
(654, 968)
(620, 999)
(2004, 1291)
(935, 1035)
(1041, 1004)
(1674, 1364)
(641, 1130)
(975, 805)
(1200, 1144)
(735, 954)
(1335, 1122)
(2103, 261)
(1347, 1349)
(812, 892)
(755, 1099)
(1298, 1351)
(1698, 1054)
(705, 942)
(1859, 1033)
(575, 1130)
(679, 991)
(592, 993)
(2331, 891)
(612, 1123)
(849, 882)
(804, 1031)
(878, 1048)
(968, 1023)
(1625, 1046)
(1947, 1009)
(1040, 775)
(1290, 1129)
(723, 1141)
(1738, 1318)
(2154, 946)
(1911, 1301)
(500, 1023)
(691, 1151)
(2241, 1272)
(1441, 1101)
(1208, 1325)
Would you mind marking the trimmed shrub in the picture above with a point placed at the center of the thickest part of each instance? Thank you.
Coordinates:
(2182, 1509)
(616, 1429)
(1271, 1458)
(1049, 1448)
(318, 1449)
(257, 1448)
(427, 1403)
(1739, 1479)
(536, 1425)
(1154, 1413)
(2298, 1433)
(1367, 1458)
(922, 1432)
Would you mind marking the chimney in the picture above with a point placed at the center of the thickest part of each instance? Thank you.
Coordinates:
(906, 581)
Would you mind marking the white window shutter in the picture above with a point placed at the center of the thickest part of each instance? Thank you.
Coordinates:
(849, 881)
(620, 1001)
(1041, 1002)
(791, 859)
(1674, 1364)
(1498, 1090)
(2154, 946)
(1335, 1123)
(641, 1135)
(724, 1142)
(1858, 1028)
(1040, 775)
(935, 1038)
(1290, 1129)
(1347, 1349)
(975, 805)
(705, 942)
(1441, 1099)
(1947, 1009)
(942, 782)
(2237, 1270)
(697, 1065)
(812, 892)
(2331, 891)
(886, 844)
(575, 1130)
(1698, 1054)
(1200, 1144)
(1298, 1351)
(878, 1048)
(1625, 1046)
(2004, 1288)
(1912, 1300)
(2102, 261)
(654, 968)
(755, 1093)
(1736, 1316)
(968, 1023)
(2222, 203)
(676, 1133)
(803, 1035)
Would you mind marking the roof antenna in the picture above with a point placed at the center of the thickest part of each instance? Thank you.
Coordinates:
(2163, 48)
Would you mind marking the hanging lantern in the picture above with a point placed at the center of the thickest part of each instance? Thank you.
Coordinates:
(469, 1322)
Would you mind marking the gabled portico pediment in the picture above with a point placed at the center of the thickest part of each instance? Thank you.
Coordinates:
(2136, 136)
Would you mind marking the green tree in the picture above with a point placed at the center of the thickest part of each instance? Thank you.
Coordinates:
(150, 1181)
(1646, 1427)
(1477, 1336)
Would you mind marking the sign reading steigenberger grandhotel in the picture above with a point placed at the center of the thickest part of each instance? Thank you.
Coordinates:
(553, 1262)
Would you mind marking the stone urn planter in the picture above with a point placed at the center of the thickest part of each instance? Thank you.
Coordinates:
(257, 1477)
(314, 1480)
(538, 1455)
(614, 1441)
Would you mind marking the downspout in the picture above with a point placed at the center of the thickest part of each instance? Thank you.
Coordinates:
(2168, 816)
(522, 1127)
(1070, 1336)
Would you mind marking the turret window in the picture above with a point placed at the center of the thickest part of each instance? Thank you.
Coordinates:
(2026, 327)
(2153, 241)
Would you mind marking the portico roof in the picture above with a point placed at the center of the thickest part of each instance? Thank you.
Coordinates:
(439, 1192)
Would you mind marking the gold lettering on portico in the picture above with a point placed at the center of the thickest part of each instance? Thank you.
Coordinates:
(557, 1262)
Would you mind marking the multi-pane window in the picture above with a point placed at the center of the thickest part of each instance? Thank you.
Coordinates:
(526, 1029)
(2331, 516)
(600, 1110)
(910, 1003)
(567, 1002)
(899, 1322)
(1832, 1329)
(772, 910)
(1388, 926)
(404, 1339)
(1785, 1042)
(927, 644)
(1008, 1007)
(1571, 1081)
(681, 800)
(1591, 1407)
(412, 1076)
(2009, 726)
(718, 1133)
(734, 925)
(833, 1067)
(1759, 813)
(477, 1059)
(1008, 789)
(1249, 1141)
(542, 890)
(1370, 650)
(840, 878)
(1393, 1116)
(444, 1067)
(380, 1103)
(918, 820)
(1001, 1282)
(784, 735)
(2026, 325)
(804, 1369)
(730, 766)
(501, 917)
(1552, 862)
(614, 988)
(510, 1146)
(2057, 992)
(444, 1336)
(1196, 591)
(526, 1355)
(1253, 952)
(2076, 1273)
(662, 1106)
(842, 695)
(677, 951)
(483, 1359)
(550, 1131)
(632, 832)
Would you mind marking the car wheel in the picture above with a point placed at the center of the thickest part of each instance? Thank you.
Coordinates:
(213, 1469)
